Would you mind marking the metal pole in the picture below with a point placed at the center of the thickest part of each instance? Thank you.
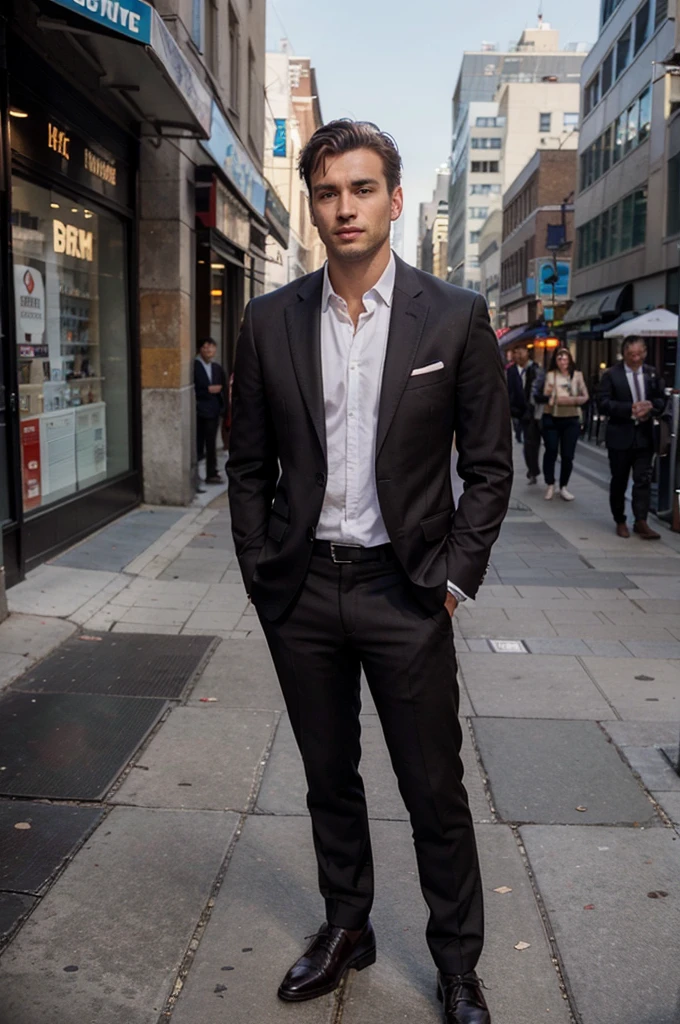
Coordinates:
(673, 474)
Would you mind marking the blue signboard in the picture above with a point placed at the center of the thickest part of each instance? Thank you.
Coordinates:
(130, 18)
(546, 271)
(279, 136)
(231, 155)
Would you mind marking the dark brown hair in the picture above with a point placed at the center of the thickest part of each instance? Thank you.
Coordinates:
(632, 341)
(344, 135)
(553, 361)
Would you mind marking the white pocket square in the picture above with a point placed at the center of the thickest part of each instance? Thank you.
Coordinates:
(430, 368)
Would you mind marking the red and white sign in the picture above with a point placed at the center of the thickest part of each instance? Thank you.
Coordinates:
(29, 292)
(30, 463)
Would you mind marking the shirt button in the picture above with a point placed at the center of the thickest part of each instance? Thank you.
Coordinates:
(320, 479)
(311, 534)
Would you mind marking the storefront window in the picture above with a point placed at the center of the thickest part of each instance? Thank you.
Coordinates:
(72, 343)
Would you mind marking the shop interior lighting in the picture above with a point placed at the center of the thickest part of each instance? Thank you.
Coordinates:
(88, 214)
(216, 266)
(216, 292)
(201, 261)
(15, 112)
(55, 206)
(74, 209)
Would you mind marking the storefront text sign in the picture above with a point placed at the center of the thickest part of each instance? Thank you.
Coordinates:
(58, 140)
(73, 241)
(101, 168)
(230, 154)
(131, 18)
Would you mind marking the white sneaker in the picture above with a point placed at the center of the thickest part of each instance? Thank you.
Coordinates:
(566, 495)
(549, 493)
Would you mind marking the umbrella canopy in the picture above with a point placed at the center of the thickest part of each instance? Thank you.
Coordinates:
(657, 323)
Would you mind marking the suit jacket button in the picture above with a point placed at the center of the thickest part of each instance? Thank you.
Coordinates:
(320, 479)
(311, 534)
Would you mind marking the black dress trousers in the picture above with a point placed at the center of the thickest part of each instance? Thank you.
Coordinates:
(364, 615)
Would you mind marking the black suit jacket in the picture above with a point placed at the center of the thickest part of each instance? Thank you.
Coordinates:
(520, 391)
(279, 420)
(616, 402)
(209, 406)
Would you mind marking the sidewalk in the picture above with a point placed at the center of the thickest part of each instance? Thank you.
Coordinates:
(186, 892)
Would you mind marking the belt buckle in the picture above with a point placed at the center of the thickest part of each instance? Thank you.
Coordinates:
(342, 561)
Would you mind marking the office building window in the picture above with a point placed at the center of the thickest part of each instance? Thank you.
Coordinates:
(234, 60)
(643, 25)
(484, 143)
(639, 217)
(645, 114)
(571, 120)
(197, 23)
(608, 8)
(607, 72)
(544, 122)
(618, 229)
(478, 212)
(485, 166)
(623, 51)
(485, 190)
(210, 49)
(661, 13)
(474, 237)
(255, 103)
(591, 96)
(632, 126)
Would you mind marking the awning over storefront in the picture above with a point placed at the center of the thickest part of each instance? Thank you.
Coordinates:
(655, 323)
(513, 334)
(232, 158)
(155, 78)
(277, 217)
(591, 307)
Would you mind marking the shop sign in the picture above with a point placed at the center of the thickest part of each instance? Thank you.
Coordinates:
(131, 18)
(231, 217)
(277, 217)
(545, 274)
(29, 291)
(280, 147)
(50, 141)
(73, 241)
(232, 157)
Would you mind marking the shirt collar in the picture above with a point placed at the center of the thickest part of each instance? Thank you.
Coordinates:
(384, 288)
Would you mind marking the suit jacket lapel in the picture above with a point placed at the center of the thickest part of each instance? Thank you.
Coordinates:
(303, 324)
(406, 327)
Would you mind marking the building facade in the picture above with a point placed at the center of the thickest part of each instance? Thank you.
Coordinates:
(490, 241)
(536, 86)
(538, 234)
(426, 216)
(627, 221)
(134, 223)
(293, 115)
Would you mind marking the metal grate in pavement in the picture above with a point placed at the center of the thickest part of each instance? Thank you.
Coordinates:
(13, 908)
(120, 664)
(65, 746)
(36, 839)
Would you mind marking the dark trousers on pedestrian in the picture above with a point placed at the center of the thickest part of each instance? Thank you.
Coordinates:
(364, 615)
(560, 435)
(206, 442)
(637, 460)
(518, 427)
(532, 446)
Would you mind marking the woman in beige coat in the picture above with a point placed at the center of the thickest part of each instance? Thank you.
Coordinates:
(565, 392)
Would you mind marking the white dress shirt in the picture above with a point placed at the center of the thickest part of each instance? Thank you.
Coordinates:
(352, 365)
(207, 366)
(630, 377)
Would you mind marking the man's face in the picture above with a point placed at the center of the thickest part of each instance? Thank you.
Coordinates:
(208, 351)
(351, 205)
(521, 356)
(635, 355)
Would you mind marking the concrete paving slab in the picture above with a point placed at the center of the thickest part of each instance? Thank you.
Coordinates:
(556, 645)
(113, 547)
(622, 956)
(11, 667)
(106, 942)
(401, 985)
(204, 757)
(644, 689)
(241, 675)
(654, 649)
(670, 803)
(643, 734)
(267, 904)
(543, 771)
(608, 648)
(653, 768)
(56, 590)
(33, 636)
(657, 586)
(141, 627)
(531, 686)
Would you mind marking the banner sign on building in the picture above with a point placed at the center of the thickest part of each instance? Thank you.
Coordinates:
(545, 271)
(280, 147)
(131, 18)
(232, 157)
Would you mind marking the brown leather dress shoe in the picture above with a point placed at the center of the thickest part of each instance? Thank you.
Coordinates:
(463, 1000)
(622, 531)
(643, 530)
(329, 956)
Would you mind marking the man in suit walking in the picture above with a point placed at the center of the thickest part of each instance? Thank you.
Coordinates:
(349, 386)
(631, 394)
(209, 381)
(522, 376)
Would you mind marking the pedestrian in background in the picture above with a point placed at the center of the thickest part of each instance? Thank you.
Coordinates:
(522, 376)
(631, 394)
(565, 392)
(209, 384)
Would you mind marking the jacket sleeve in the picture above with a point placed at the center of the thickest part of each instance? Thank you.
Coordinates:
(609, 404)
(658, 398)
(484, 443)
(200, 383)
(253, 458)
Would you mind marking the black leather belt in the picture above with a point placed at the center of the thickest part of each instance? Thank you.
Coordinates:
(346, 554)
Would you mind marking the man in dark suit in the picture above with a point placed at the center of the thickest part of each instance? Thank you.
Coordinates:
(349, 386)
(209, 381)
(522, 376)
(631, 394)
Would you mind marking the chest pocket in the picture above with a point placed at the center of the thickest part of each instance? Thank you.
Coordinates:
(427, 380)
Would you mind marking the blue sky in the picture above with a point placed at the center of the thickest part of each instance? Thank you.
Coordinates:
(396, 64)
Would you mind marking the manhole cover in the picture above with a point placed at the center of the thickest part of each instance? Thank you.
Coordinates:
(508, 646)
